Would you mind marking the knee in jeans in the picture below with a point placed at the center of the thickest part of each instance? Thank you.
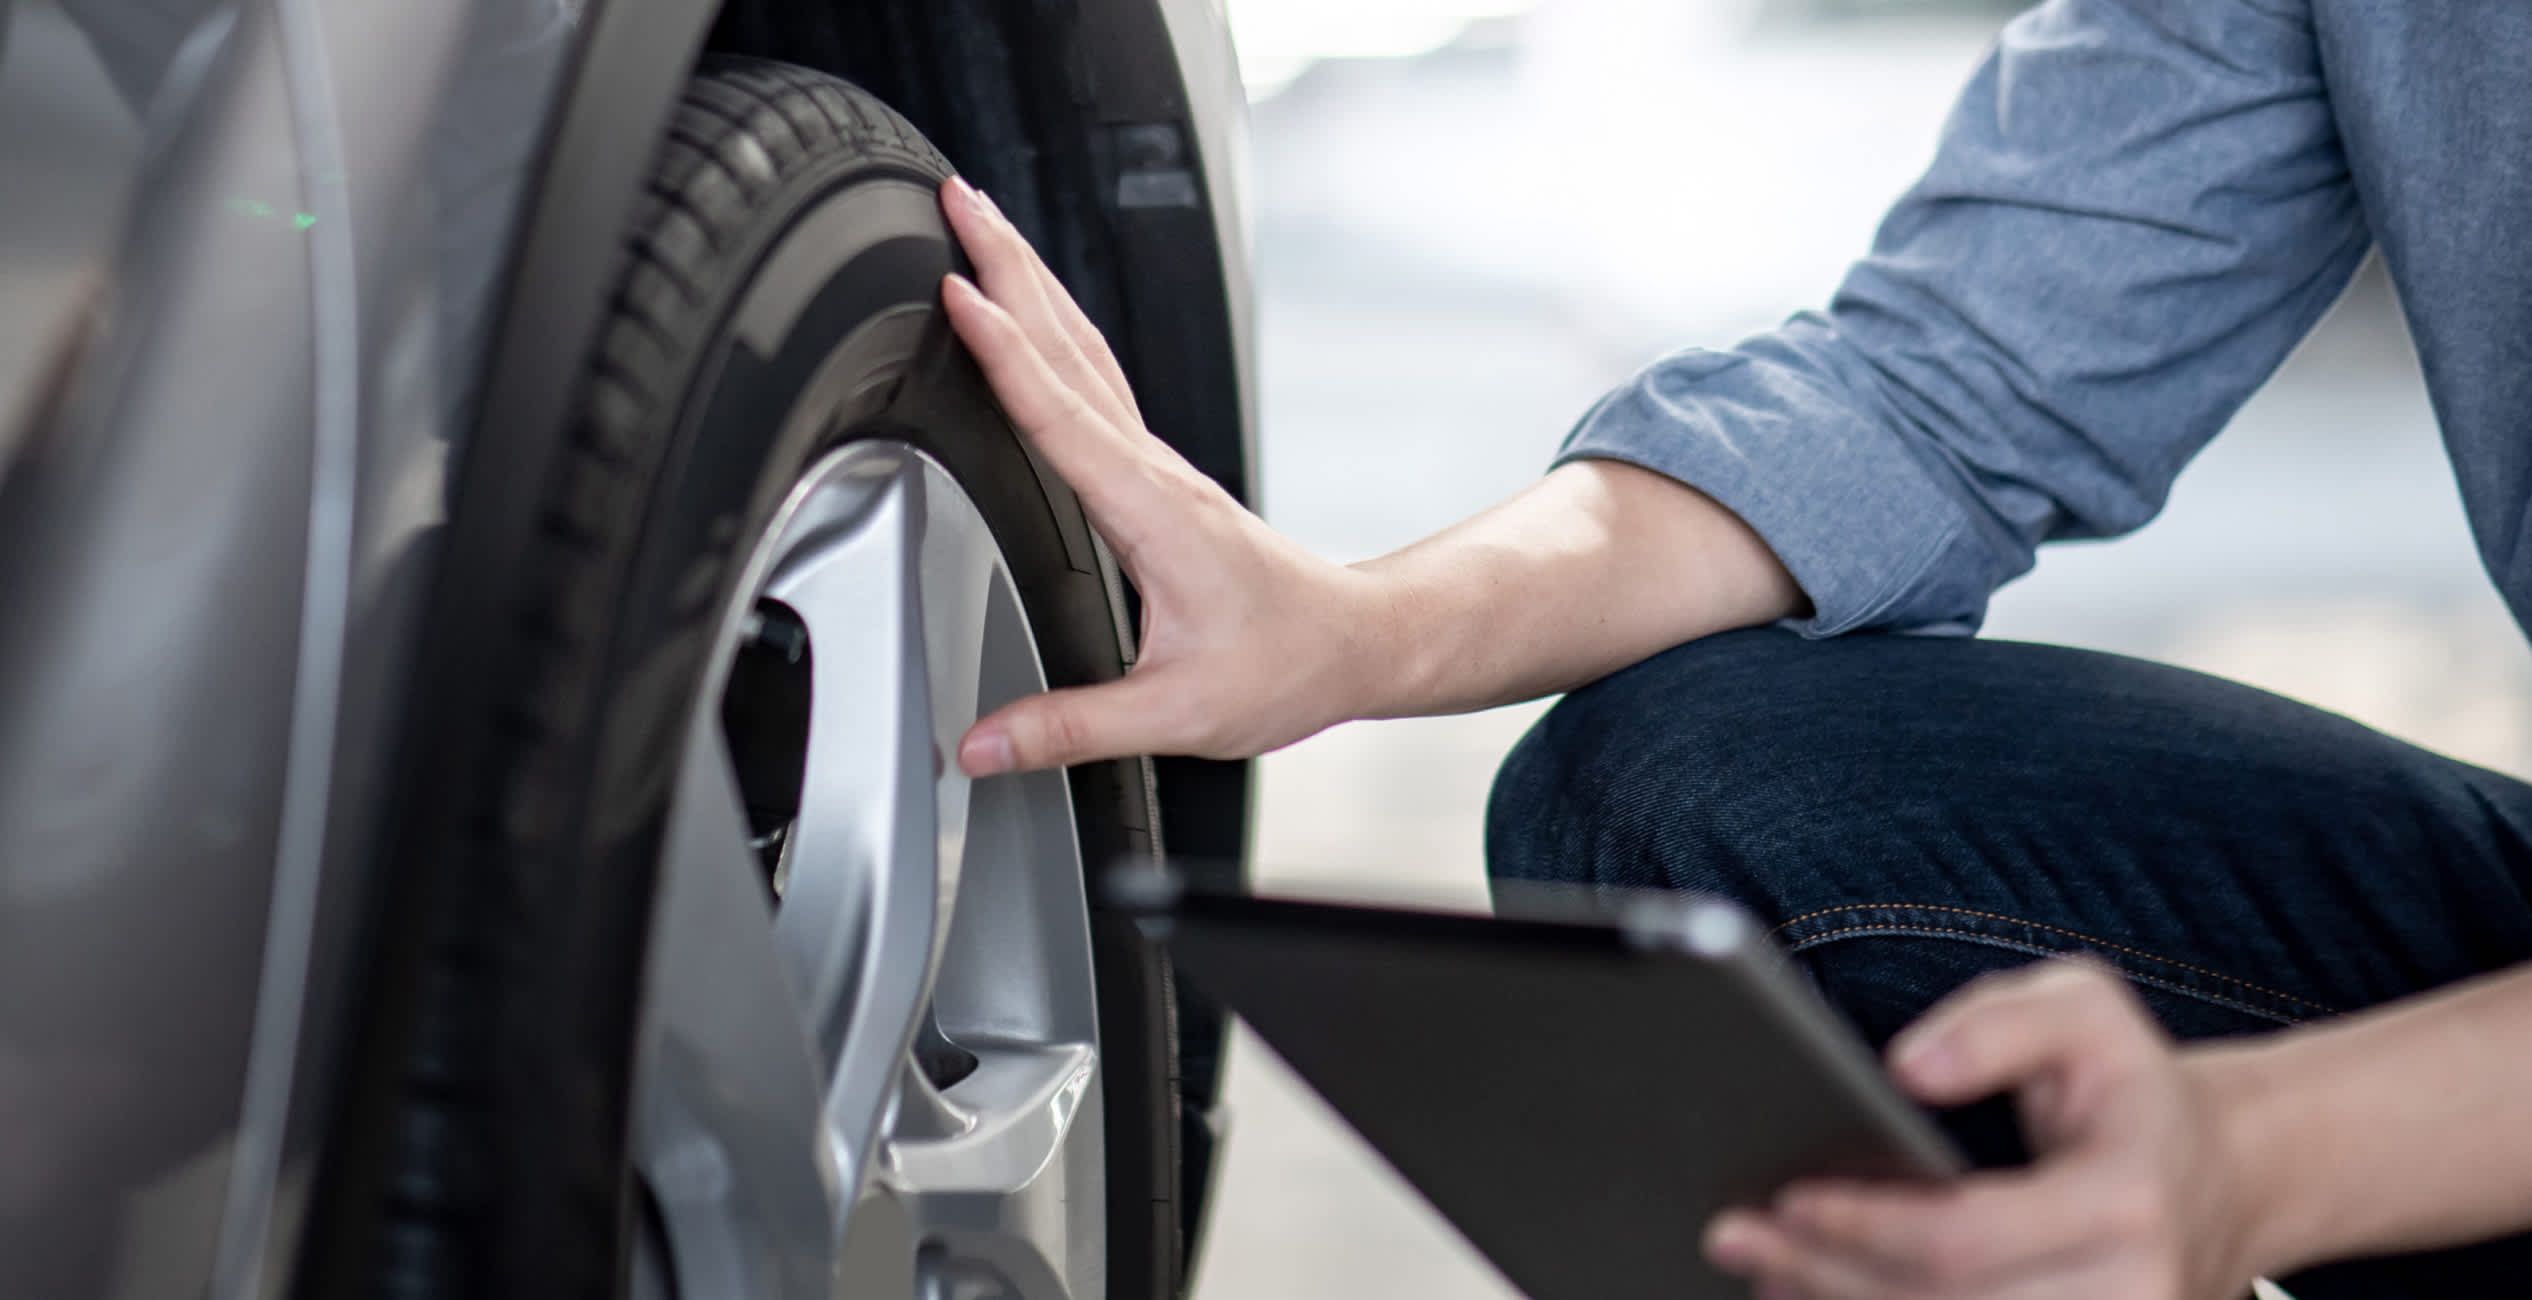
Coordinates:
(1651, 778)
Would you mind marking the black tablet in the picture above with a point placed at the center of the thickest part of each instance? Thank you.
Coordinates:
(1578, 1088)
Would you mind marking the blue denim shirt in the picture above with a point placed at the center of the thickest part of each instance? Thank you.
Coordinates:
(2138, 208)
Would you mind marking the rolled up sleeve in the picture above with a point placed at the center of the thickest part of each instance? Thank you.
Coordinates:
(2137, 209)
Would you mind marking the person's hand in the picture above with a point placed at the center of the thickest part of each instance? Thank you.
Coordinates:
(2131, 1195)
(1249, 642)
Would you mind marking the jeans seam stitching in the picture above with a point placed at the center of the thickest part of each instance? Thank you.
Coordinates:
(1937, 931)
(2053, 929)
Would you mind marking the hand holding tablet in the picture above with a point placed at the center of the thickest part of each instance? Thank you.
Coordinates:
(1578, 1092)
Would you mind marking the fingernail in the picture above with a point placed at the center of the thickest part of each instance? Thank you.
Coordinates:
(986, 752)
(1729, 1243)
(1929, 1060)
(976, 200)
(959, 284)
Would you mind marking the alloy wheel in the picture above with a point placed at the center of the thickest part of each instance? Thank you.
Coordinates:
(869, 1061)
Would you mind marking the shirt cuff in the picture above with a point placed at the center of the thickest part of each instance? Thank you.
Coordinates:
(1835, 493)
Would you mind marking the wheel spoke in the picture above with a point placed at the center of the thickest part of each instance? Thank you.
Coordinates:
(960, 574)
(895, 579)
(1010, 1199)
(1017, 965)
(1001, 1198)
(730, 1110)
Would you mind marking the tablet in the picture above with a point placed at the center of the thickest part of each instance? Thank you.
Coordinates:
(1577, 1087)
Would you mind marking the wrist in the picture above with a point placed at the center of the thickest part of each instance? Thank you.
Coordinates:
(1389, 669)
(2268, 1154)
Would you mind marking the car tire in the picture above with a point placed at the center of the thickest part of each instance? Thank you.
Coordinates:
(508, 1164)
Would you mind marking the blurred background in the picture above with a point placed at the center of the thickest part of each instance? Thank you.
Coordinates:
(1474, 216)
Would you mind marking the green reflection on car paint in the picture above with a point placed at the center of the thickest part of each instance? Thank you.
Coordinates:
(259, 208)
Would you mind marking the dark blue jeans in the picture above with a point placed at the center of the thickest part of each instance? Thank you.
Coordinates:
(1910, 812)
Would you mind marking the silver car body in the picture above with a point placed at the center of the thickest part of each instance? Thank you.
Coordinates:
(265, 270)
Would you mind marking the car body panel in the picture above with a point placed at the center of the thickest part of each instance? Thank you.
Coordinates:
(277, 289)
(66, 118)
(429, 200)
(1217, 106)
(197, 701)
(151, 539)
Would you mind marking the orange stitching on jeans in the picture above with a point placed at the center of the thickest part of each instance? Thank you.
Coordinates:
(1936, 931)
(2053, 929)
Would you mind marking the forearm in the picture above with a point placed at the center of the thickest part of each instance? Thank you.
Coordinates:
(2398, 1130)
(1595, 567)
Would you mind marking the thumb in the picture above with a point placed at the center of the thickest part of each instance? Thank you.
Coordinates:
(2012, 1029)
(1080, 724)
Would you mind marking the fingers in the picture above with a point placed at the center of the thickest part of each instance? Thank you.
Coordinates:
(1082, 724)
(1014, 276)
(1782, 1266)
(1980, 1232)
(1986, 1235)
(2072, 1041)
(2010, 1029)
(1106, 471)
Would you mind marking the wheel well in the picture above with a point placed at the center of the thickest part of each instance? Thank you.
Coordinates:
(955, 69)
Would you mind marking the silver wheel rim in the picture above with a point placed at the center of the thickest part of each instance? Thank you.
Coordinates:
(802, 1121)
